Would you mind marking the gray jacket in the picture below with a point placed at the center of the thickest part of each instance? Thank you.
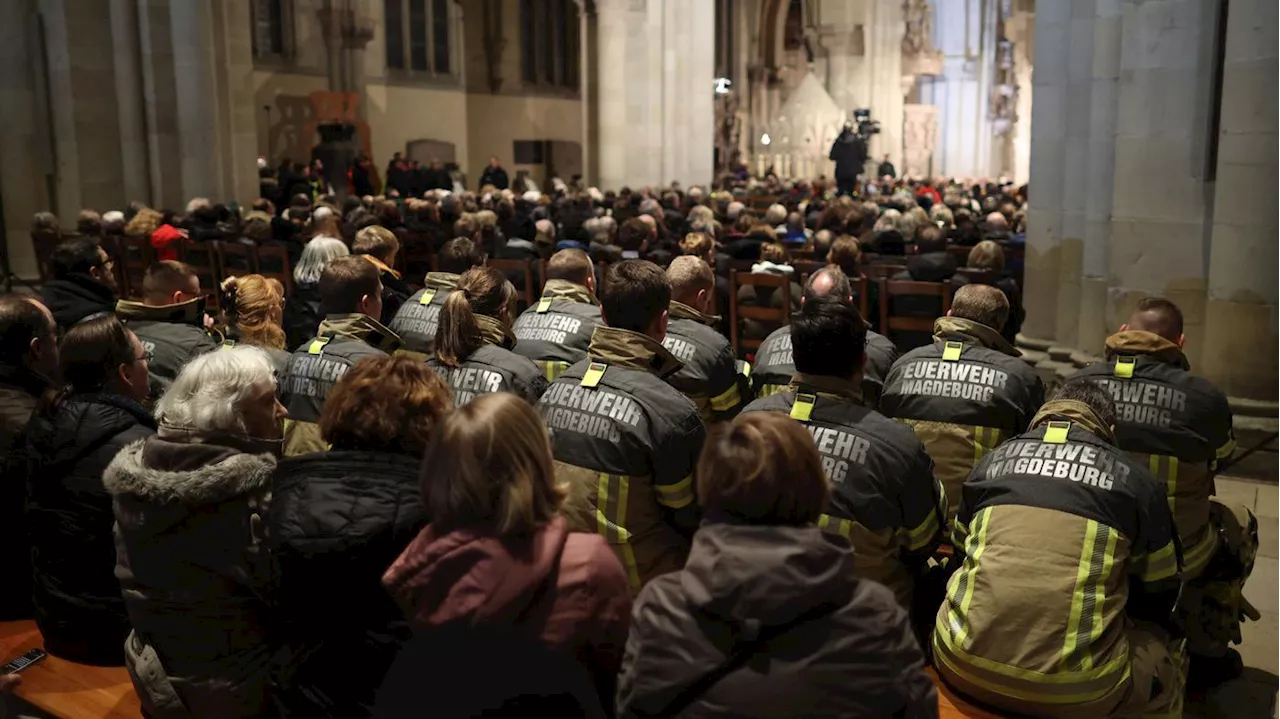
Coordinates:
(173, 334)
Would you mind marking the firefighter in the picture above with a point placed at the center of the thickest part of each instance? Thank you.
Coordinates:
(1062, 605)
(170, 321)
(710, 375)
(556, 332)
(418, 317)
(968, 391)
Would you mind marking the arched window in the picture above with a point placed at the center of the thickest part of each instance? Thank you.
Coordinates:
(418, 36)
(272, 35)
(549, 43)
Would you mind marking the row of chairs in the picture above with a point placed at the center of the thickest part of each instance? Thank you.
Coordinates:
(212, 261)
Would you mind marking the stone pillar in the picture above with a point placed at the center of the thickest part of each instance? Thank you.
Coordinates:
(920, 130)
(883, 71)
(24, 142)
(1160, 213)
(1103, 103)
(1076, 180)
(129, 100)
(1048, 134)
(961, 90)
(160, 104)
(1239, 342)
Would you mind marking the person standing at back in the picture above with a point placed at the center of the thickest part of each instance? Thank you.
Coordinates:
(350, 300)
(83, 284)
(710, 375)
(968, 391)
(625, 440)
(556, 332)
(418, 317)
(170, 321)
(1178, 425)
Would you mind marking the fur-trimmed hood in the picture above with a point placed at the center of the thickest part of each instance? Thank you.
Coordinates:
(159, 471)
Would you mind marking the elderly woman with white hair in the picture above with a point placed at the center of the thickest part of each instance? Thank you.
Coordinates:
(302, 308)
(189, 505)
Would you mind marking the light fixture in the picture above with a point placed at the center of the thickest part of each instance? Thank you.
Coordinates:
(764, 139)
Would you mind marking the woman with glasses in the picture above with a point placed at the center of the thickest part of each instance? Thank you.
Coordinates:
(71, 438)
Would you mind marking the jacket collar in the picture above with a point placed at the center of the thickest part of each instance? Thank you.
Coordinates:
(1147, 344)
(442, 280)
(632, 350)
(361, 328)
(842, 388)
(382, 267)
(681, 311)
(162, 471)
(566, 290)
(25, 379)
(495, 332)
(962, 330)
(124, 404)
(1076, 413)
(190, 312)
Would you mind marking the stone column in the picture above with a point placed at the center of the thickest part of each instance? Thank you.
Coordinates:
(24, 143)
(160, 104)
(884, 71)
(1239, 352)
(129, 103)
(1048, 133)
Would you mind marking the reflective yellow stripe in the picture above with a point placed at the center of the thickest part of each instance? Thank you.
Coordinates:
(544, 304)
(552, 369)
(951, 351)
(767, 390)
(1160, 564)
(836, 525)
(427, 296)
(1165, 468)
(985, 439)
(1056, 432)
(594, 373)
(1225, 450)
(1124, 366)
(744, 368)
(952, 657)
(727, 399)
(676, 496)
(1100, 592)
(1197, 556)
(1084, 570)
(611, 512)
(802, 408)
(919, 537)
(973, 549)
(317, 345)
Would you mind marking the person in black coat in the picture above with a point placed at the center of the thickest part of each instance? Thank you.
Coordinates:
(436, 177)
(302, 308)
(338, 519)
(69, 443)
(850, 155)
(494, 175)
(988, 258)
(83, 284)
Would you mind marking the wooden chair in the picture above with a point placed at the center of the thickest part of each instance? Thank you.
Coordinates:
(135, 256)
(64, 688)
(883, 271)
(798, 256)
(273, 261)
(890, 289)
(960, 253)
(202, 258)
(807, 267)
(737, 312)
(953, 706)
(525, 268)
(236, 259)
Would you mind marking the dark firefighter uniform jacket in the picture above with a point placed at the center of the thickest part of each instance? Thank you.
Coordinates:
(341, 342)
(415, 323)
(772, 371)
(962, 395)
(884, 497)
(173, 334)
(710, 374)
(556, 332)
(1059, 536)
(493, 367)
(626, 442)
(1175, 424)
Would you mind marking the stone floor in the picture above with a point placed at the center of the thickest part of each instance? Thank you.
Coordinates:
(1254, 694)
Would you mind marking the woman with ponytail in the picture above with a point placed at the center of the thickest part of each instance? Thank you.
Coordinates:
(474, 341)
(254, 313)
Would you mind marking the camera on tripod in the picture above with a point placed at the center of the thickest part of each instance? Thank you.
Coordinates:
(865, 126)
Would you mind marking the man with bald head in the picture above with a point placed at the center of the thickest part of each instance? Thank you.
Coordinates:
(1179, 425)
(556, 332)
(966, 392)
(774, 365)
(709, 376)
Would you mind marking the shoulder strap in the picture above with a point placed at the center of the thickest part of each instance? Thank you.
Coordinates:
(743, 651)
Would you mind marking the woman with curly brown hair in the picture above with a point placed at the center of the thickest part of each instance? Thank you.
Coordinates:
(337, 520)
(254, 307)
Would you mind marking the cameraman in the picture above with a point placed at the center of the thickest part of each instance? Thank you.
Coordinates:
(850, 154)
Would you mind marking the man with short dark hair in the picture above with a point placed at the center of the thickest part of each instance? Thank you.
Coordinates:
(556, 332)
(83, 284)
(885, 499)
(350, 301)
(633, 237)
(774, 367)
(416, 321)
(170, 321)
(968, 391)
(28, 363)
(1180, 426)
(1062, 605)
(623, 439)
(710, 376)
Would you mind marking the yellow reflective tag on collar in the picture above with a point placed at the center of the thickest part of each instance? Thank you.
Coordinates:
(951, 352)
(803, 407)
(317, 345)
(595, 371)
(228, 344)
(427, 296)
(1057, 432)
(544, 304)
(1125, 365)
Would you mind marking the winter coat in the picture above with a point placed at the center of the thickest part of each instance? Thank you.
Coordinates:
(76, 297)
(20, 390)
(301, 314)
(339, 518)
(173, 334)
(69, 521)
(195, 576)
(492, 367)
(860, 660)
(567, 589)
(495, 176)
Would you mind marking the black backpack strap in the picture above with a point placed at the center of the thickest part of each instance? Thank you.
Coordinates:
(743, 650)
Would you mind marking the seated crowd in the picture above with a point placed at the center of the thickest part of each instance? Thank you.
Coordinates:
(399, 486)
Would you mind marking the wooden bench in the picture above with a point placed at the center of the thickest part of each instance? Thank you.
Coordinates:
(64, 688)
(953, 706)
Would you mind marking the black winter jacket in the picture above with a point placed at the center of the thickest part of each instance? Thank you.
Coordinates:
(20, 390)
(76, 297)
(301, 315)
(77, 599)
(339, 519)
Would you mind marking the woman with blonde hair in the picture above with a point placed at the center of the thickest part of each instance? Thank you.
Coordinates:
(474, 340)
(498, 554)
(254, 307)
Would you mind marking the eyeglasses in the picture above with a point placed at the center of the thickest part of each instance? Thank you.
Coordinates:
(146, 357)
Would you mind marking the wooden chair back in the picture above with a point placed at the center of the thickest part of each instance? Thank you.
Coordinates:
(135, 256)
(202, 258)
(738, 312)
(236, 259)
(273, 261)
(883, 271)
(890, 288)
(525, 270)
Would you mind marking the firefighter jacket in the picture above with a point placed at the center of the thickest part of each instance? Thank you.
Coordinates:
(626, 443)
(173, 334)
(556, 332)
(884, 497)
(1175, 424)
(774, 366)
(710, 374)
(1058, 537)
(962, 395)
(492, 368)
(415, 322)
(340, 342)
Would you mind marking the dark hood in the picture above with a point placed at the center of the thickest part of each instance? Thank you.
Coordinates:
(931, 267)
(76, 297)
(81, 424)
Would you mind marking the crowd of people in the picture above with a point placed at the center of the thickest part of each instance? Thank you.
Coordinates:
(401, 485)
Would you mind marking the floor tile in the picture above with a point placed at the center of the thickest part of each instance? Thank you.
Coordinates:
(1261, 587)
(1268, 504)
(1236, 491)
(1268, 537)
